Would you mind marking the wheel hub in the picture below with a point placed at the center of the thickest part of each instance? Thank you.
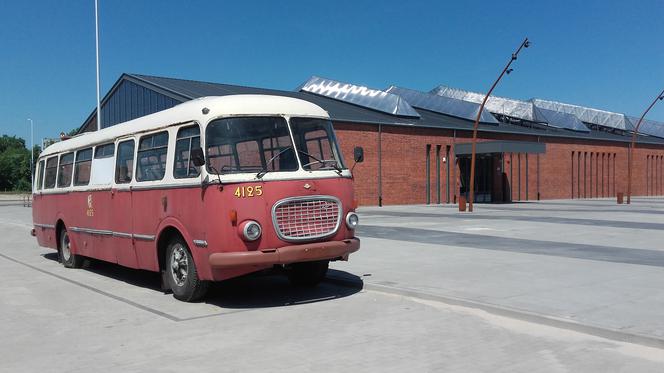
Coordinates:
(179, 265)
(65, 246)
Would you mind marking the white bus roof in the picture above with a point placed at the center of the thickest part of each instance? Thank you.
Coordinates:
(192, 111)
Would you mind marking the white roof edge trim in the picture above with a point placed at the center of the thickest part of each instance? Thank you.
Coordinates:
(189, 111)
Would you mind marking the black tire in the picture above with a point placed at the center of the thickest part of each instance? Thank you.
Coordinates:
(181, 274)
(308, 274)
(67, 258)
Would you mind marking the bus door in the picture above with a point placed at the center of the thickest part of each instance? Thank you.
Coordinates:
(122, 242)
(98, 237)
(149, 197)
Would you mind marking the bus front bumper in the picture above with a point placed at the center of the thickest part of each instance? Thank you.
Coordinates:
(285, 255)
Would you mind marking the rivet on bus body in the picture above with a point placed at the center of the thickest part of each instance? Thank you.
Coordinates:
(205, 110)
(233, 216)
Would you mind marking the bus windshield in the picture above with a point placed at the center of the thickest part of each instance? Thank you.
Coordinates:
(316, 144)
(262, 144)
(236, 145)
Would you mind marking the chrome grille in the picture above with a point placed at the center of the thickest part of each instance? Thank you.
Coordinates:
(306, 218)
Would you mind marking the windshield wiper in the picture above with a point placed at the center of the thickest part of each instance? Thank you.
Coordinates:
(264, 170)
(331, 162)
(216, 172)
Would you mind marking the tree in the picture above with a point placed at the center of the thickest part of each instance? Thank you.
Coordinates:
(15, 164)
(72, 132)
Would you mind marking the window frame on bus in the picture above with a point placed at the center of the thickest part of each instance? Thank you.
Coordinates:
(39, 175)
(55, 177)
(100, 176)
(129, 173)
(190, 140)
(164, 167)
(59, 183)
(77, 162)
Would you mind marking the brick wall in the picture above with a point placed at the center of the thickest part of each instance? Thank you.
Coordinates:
(561, 174)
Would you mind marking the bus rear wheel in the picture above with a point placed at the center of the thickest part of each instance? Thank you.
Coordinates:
(181, 273)
(308, 274)
(68, 259)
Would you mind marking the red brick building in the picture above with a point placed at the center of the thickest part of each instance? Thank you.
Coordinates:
(417, 152)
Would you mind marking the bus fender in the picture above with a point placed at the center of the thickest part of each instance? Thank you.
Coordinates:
(200, 259)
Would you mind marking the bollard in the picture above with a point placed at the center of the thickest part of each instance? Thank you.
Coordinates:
(462, 203)
(619, 195)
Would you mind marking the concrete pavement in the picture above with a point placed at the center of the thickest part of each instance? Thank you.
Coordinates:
(588, 265)
(403, 318)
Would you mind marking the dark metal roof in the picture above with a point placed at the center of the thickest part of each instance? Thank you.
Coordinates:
(184, 90)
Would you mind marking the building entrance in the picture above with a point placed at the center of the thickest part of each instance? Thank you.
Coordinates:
(492, 183)
(488, 177)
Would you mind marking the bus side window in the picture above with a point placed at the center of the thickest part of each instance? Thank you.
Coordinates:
(124, 165)
(188, 138)
(51, 172)
(151, 158)
(40, 176)
(65, 170)
(103, 165)
(82, 167)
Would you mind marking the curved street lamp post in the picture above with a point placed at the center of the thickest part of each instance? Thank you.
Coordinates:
(630, 153)
(506, 70)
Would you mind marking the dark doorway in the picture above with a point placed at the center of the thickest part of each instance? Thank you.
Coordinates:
(485, 186)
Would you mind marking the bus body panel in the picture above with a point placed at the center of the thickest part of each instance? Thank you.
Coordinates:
(120, 210)
(123, 223)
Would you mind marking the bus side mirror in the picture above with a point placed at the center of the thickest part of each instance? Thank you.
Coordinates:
(197, 157)
(358, 154)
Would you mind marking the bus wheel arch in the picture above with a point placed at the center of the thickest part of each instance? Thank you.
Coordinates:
(173, 252)
(66, 257)
(165, 236)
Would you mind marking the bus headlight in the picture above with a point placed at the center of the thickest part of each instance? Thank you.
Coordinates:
(251, 230)
(352, 220)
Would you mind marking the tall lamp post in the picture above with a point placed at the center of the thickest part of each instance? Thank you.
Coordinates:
(32, 155)
(97, 54)
(506, 70)
(630, 153)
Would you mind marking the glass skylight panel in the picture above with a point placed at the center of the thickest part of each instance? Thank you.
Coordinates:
(648, 127)
(359, 95)
(497, 105)
(559, 119)
(588, 115)
(444, 105)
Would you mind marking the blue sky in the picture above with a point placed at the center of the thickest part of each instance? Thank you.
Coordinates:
(605, 54)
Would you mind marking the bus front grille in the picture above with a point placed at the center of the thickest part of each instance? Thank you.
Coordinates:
(306, 218)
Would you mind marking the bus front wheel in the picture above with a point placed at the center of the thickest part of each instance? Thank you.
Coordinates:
(308, 274)
(68, 259)
(181, 272)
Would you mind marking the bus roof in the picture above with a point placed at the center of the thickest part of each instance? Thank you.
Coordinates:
(192, 111)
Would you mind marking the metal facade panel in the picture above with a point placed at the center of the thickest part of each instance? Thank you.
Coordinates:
(444, 105)
(499, 105)
(359, 95)
(588, 115)
(559, 119)
(131, 101)
(488, 147)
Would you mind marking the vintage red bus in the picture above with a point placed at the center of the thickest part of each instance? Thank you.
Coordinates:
(208, 190)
